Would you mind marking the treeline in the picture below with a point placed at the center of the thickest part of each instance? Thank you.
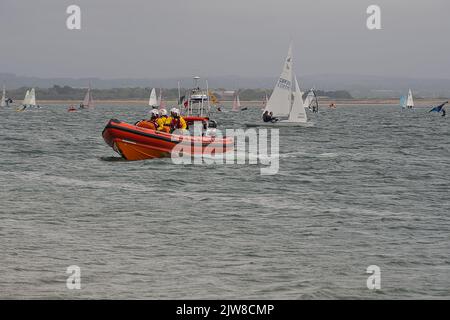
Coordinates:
(138, 93)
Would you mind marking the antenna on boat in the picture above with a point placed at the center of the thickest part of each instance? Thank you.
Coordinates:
(207, 97)
(179, 93)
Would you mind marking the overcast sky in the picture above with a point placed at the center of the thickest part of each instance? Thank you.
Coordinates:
(171, 38)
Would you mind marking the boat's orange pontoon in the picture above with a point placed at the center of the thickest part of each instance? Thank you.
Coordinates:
(137, 143)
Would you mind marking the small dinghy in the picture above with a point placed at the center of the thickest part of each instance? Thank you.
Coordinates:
(88, 101)
(407, 102)
(137, 143)
(286, 100)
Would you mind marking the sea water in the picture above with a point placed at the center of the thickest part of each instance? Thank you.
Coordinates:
(366, 185)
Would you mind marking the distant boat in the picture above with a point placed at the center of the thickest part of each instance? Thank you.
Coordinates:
(410, 100)
(407, 102)
(236, 103)
(29, 100)
(72, 109)
(88, 101)
(153, 100)
(311, 102)
(3, 101)
(403, 102)
(286, 99)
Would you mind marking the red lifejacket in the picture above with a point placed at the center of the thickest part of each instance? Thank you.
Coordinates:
(175, 124)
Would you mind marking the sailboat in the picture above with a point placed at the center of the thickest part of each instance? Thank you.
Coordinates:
(88, 101)
(311, 102)
(410, 100)
(153, 100)
(236, 103)
(403, 102)
(3, 101)
(29, 100)
(286, 100)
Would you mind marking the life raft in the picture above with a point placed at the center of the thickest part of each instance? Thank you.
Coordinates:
(137, 143)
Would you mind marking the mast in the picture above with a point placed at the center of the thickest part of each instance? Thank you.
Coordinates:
(207, 97)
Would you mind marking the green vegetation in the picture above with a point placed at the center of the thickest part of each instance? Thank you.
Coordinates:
(138, 93)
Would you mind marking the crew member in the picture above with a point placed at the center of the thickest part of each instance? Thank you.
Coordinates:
(164, 121)
(177, 123)
(150, 123)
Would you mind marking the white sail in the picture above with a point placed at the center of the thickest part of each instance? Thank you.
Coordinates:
(298, 112)
(153, 100)
(309, 99)
(3, 101)
(410, 101)
(32, 101)
(88, 101)
(280, 101)
(26, 99)
(236, 104)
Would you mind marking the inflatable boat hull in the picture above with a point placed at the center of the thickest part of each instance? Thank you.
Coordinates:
(136, 143)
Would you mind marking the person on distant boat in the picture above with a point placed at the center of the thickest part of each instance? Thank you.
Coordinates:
(178, 122)
(272, 118)
(164, 121)
(266, 117)
(443, 112)
(150, 123)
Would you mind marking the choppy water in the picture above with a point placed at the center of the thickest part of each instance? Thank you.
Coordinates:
(366, 186)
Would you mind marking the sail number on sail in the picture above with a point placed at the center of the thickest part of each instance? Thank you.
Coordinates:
(284, 84)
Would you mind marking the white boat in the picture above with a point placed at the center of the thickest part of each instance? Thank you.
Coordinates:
(88, 101)
(3, 101)
(410, 100)
(197, 94)
(286, 100)
(153, 100)
(198, 102)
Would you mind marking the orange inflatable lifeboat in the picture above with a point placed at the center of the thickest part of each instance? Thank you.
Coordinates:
(137, 143)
